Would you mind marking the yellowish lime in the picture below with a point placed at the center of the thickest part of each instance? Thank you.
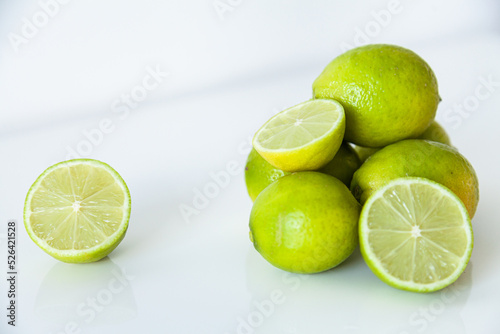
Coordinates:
(419, 158)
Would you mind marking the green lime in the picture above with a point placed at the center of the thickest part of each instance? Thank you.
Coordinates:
(388, 92)
(343, 165)
(365, 152)
(434, 132)
(420, 158)
(437, 133)
(305, 222)
(78, 210)
(303, 137)
(259, 173)
(415, 235)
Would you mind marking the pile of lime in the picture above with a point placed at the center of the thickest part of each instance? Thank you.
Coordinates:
(364, 163)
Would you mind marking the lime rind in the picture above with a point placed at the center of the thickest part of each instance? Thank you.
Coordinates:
(90, 254)
(408, 283)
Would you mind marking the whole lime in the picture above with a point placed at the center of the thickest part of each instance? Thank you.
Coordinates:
(259, 173)
(434, 132)
(343, 165)
(305, 222)
(389, 93)
(420, 158)
(365, 152)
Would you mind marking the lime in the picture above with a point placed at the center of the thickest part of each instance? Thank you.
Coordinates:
(434, 132)
(415, 235)
(259, 173)
(365, 152)
(78, 210)
(343, 165)
(437, 133)
(388, 92)
(420, 158)
(303, 137)
(305, 222)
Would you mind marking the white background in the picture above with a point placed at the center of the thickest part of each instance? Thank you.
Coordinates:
(228, 72)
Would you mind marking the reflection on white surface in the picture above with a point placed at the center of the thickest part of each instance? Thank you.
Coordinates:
(74, 296)
(305, 301)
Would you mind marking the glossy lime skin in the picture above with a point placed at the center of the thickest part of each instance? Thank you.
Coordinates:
(419, 158)
(389, 93)
(305, 222)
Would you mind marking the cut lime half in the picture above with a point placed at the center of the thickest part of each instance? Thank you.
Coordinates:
(78, 210)
(303, 137)
(415, 235)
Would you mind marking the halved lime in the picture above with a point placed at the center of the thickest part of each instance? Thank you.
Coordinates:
(78, 210)
(415, 235)
(303, 137)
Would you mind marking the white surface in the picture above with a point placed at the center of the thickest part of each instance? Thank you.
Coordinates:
(202, 275)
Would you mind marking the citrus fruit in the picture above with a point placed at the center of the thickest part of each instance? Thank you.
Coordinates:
(303, 137)
(420, 158)
(437, 133)
(388, 92)
(305, 222)
(78, 210)
(434, 132)
(415, 235)
(343, 165)
(365, 152)
(259, 173)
